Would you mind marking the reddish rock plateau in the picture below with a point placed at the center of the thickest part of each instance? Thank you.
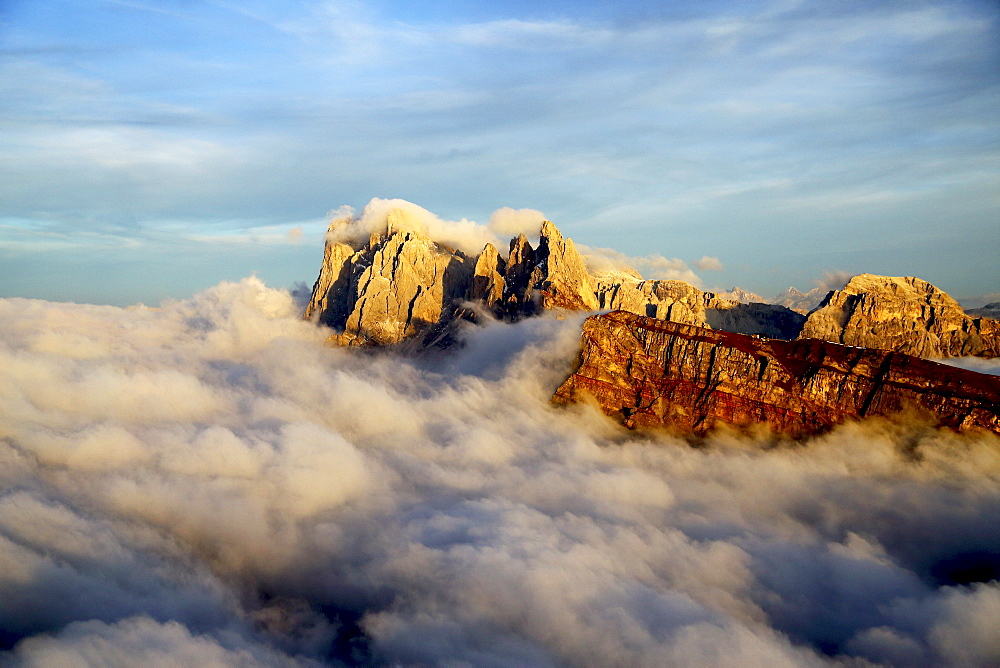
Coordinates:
(655, 373)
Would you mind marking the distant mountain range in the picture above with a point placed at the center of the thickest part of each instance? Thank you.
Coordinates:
(400, 288)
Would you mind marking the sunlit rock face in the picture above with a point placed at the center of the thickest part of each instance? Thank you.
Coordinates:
(563, 280)
(649, 372)
(906, 315)
(399, 286)
(402, 286)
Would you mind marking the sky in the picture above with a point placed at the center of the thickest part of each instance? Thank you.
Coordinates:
(149, 150)
(206, 484)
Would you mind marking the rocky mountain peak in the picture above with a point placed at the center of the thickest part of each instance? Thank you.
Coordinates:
(397, 286)
(741, 295)
(904, 314)
(564, 281)
(401, 285)
(801, 302)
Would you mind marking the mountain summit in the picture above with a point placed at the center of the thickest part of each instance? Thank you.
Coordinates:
(669, 354)
(903, 314)
(400, 285)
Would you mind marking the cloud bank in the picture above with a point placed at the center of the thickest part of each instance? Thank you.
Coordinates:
(399, 215)
(652, 267)
(206, 482)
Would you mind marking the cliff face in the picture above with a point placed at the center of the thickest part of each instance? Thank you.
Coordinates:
(399, 286)
(901, 314)
(403, 286)
(653, 373)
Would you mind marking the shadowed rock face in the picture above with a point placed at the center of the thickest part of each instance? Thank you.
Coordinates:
(653, 373)
(903, 314)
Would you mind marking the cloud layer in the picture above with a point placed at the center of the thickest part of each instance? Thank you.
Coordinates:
(206, 481)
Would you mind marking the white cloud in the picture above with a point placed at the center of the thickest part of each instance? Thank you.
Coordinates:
(530, 35)
(651, 267)
(141, 640)
(508, 223)
(834, 280)
(965, 635)
(381, 215)
(276, 499)
(707, 263)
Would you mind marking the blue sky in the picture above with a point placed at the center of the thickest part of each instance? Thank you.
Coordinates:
(151, 149)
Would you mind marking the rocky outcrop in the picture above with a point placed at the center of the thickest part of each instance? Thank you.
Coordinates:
(901, 314)
(401, 285)
(398, 286)
(682, 302)
(563, 281)
(648, 372)
(488, 278)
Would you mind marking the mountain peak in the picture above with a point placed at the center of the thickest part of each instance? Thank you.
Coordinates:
(904, 314)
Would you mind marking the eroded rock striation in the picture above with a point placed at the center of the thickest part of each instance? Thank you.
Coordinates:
(906, 315)
(648, 372)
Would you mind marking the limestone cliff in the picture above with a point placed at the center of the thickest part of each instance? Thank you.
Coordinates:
(648, 372)
(563, 280)
(400, 285)
(902, 314)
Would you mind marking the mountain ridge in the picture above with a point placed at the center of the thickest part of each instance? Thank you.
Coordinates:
(668, 354)
(646, 372)
(399, 285)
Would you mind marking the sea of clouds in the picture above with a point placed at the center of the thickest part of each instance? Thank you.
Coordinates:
(206, 484)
